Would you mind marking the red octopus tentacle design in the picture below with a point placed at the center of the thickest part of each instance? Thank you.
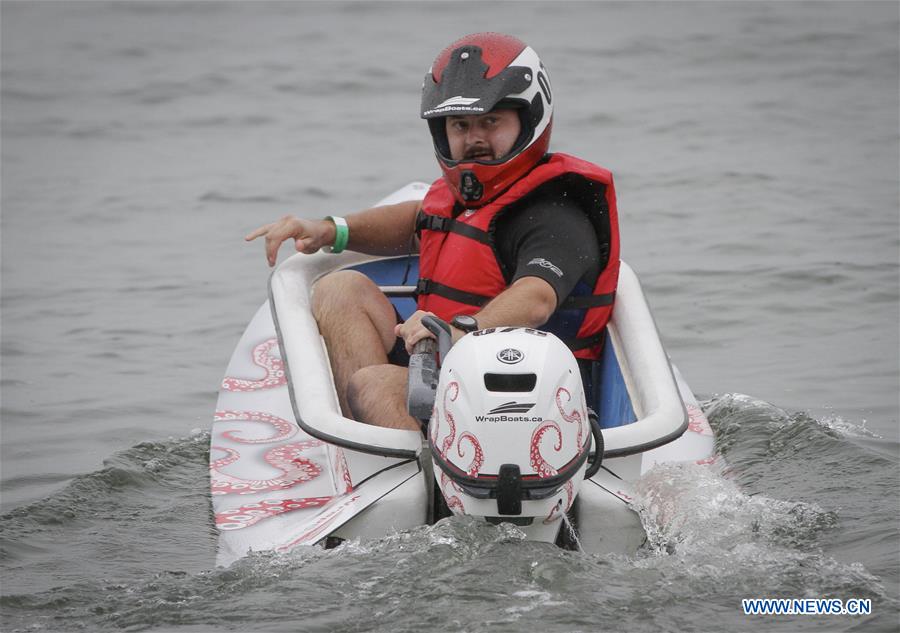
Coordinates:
(575, 416)
(433, 425)
(322, 523)
(540, 465)
(284, 428)
(477, 459)
(570, 494)
(343, 471)
(453, 502)
(448, 441)
(231, 456)
(253, 513)
(274, 367)
(557, 511)
(697, 421)
(294, 469)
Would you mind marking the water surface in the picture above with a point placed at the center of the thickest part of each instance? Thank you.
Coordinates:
(755, 149)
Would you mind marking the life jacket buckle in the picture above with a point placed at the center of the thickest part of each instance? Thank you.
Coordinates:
(423, 287)
(442, 224)
(437, 223)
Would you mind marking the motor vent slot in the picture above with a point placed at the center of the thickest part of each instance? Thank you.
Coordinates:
(522, 383)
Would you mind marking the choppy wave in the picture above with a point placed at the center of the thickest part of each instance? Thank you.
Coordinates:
(147, 509)
(712, 531)
(754, 524)
(148, 465)
(763, 521)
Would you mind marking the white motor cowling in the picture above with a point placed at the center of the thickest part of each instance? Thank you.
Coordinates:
(510, 434)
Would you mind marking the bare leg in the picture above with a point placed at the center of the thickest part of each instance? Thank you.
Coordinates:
(357, 322)
(377, 395)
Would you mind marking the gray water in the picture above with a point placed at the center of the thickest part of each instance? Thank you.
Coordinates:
(756, 153)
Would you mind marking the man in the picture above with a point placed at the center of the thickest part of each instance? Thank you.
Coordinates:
(510, 236)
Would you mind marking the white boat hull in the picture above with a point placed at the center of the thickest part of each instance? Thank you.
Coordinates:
(285, 471)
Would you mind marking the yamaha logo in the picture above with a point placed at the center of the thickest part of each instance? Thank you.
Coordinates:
(510, 356)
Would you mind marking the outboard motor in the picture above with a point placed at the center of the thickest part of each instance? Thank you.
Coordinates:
(510, 434)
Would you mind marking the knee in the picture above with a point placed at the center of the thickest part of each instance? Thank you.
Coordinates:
(376, 394)
(339, 290)
(361, 387)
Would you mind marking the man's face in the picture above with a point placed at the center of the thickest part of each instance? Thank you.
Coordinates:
(484, 136)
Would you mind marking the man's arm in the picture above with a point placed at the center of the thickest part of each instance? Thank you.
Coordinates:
(529, 302)
(386, 230)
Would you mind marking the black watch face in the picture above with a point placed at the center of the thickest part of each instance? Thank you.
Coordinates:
(465, 323)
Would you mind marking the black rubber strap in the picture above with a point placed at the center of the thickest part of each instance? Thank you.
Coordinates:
(429, 287)
(584, 302)
(449, 225)
(576, 344)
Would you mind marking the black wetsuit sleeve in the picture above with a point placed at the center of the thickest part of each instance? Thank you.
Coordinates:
(551, 239)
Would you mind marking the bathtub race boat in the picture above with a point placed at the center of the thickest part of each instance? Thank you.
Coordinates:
(288, 470)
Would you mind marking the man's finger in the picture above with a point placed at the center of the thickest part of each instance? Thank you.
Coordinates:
(420, 334)
(272, 249)
(304, 245)
(258, 232)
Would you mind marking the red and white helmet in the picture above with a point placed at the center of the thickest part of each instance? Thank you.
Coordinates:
(473, 76)
(510, 434)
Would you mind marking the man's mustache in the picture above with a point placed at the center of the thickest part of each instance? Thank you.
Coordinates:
(478, 152)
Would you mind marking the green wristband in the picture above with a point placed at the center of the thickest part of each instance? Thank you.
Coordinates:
(341, 234)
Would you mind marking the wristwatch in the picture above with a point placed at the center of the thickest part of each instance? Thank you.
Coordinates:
(465, 323)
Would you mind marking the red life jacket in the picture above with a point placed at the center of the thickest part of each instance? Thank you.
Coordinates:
(459, 267)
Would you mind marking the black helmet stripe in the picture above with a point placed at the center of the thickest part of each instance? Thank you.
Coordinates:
(464, 89)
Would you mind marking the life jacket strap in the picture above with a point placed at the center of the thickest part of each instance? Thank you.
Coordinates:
(576, 344)
(449, 225)
(429, 287)
(586, 302)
